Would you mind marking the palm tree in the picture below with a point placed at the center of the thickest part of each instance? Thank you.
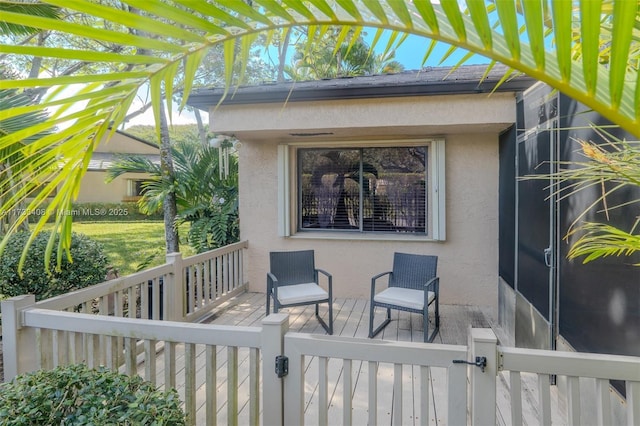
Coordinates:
(206, 196)
(593, 57)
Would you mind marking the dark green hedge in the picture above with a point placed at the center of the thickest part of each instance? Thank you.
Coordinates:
(89, 266)
(77, 395)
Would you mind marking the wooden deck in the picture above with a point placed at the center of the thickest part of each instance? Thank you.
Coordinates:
(351, 320)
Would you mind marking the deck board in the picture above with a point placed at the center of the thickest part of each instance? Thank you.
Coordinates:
(351, 319)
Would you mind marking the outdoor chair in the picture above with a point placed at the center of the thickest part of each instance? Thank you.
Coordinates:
(412, 286)
(293, 281)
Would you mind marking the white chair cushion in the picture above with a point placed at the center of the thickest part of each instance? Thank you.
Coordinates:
(405, 297)
(301, 293)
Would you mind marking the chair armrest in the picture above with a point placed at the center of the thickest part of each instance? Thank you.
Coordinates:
(375, 278)
(329, 280)
(272, 282)
(433, 284)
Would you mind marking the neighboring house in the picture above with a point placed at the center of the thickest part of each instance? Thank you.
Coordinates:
(124, 188)
(423, 162)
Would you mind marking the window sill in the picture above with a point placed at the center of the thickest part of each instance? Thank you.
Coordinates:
(363, 237)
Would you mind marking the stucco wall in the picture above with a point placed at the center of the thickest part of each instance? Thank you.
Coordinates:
(94, 189)
(467, 260)
(470, 126)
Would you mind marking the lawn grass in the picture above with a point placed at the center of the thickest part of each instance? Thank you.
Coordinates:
(127, 245)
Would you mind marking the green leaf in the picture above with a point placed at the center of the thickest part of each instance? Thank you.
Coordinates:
(350, 8)
(90, 32)
(480, 19)
(83, 55)
(624, 17)
(452, 10)
(562, 15)
(533, 20)
(275, 8)
(401, 11)
(299, 7)
(325, 8)
(509, 24)
(377, 10)
(590, 34)
(425, 9)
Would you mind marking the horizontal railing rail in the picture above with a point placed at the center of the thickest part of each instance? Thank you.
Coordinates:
(572, 367)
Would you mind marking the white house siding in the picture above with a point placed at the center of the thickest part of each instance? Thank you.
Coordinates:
(470, 126)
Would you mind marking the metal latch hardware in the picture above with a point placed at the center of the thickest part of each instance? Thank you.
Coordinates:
(481, 361)
(282, 366)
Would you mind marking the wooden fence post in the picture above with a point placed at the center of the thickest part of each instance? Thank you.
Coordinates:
(18, 343)
(174, 291)
(274, 327)
(483, 379)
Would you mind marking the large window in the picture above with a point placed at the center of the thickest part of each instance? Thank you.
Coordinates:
(379, 189)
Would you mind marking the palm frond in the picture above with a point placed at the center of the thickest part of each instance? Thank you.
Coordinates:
(181, 31)
(602, 240)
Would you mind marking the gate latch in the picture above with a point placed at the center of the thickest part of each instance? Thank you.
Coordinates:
(282, 366)
(481, 361)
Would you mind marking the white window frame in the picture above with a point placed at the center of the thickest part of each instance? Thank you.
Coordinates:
(436, 205)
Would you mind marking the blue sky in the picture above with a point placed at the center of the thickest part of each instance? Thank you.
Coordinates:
(413, 49)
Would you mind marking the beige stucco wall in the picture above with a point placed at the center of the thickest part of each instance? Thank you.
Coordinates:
(467, 260)
(94, 189)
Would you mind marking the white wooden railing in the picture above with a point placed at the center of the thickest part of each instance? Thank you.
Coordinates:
(573, 368)
(179, 290)
(226, 374)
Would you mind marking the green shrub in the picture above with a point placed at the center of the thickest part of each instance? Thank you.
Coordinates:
(77, 395)
(88, 266)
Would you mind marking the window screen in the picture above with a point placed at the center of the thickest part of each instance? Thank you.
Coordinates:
(363, 189)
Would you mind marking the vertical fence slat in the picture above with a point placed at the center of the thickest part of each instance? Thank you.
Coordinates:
(45, 339)
(169, 365)
(424, 395)
(323, 391)
(150, 361)
(190, 382)
(397, 394)
(232, 385)
(603, 402)
(144, 299)
(346, 391)
(211, 385)
(225, 273)
(373, 393)
(515, 389)
(573, 400)
(544, 395)
(294, 390)
(633, 402)
(207, 280)
(457, 394)
(254, 383)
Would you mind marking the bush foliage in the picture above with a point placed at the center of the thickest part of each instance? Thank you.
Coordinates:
(88, 266)
(77, 395)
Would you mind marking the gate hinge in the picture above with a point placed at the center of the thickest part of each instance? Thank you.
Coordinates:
(282, 366)
(481, 361)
